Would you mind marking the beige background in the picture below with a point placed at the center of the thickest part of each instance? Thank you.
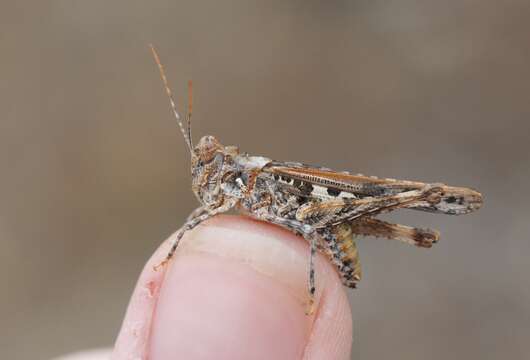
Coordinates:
(94, 174)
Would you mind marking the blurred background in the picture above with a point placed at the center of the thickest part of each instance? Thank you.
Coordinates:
(95, 175)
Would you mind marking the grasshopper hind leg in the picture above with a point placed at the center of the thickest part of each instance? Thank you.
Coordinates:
(340, 247)
(424, 238)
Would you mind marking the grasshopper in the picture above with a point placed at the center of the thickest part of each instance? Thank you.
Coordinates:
(325, 207)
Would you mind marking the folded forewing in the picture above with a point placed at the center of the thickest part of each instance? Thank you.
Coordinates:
(326, 183)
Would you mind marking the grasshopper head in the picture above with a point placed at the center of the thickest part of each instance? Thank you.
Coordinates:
(210, 160)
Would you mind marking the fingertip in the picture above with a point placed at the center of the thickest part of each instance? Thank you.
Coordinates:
(237, 290)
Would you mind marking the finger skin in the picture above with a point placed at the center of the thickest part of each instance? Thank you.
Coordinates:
(236, 289)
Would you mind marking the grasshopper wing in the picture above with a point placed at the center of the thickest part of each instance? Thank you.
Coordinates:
(326, 184)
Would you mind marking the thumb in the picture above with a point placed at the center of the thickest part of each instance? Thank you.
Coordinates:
(236, 289)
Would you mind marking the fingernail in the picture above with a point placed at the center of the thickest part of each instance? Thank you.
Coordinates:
(234, 291)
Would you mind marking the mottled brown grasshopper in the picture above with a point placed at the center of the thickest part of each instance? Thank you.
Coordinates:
(326, 207)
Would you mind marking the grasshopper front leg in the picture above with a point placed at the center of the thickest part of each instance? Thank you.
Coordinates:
(197, 212)
(198, 216)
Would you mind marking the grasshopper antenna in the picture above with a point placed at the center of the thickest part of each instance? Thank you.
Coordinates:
(186, 134)
(190, 109)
